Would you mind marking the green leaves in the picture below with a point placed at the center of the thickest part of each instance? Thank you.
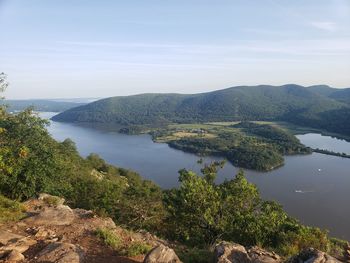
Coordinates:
(201, 212)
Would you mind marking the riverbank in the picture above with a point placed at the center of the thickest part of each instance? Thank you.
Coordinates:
(327, 152)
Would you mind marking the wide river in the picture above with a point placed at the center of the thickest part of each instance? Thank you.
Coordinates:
(314, 188)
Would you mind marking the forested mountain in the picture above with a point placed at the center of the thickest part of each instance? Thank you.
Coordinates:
(311, 106)
(41, 105)
(342, 95)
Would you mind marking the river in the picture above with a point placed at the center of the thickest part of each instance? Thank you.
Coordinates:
(314, 188)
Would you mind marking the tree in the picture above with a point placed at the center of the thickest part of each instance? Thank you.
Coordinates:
(3, 82)
(201, 212)
(204, 212)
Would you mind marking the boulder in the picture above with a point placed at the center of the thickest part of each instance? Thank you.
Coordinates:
(226, 252)
(53, 216)
(312, 255)
(21, 245)
(60, 252)
(258, 255)
(6, 237)
(162, 254)
(10, 242)
(14, 256)
(43, 233)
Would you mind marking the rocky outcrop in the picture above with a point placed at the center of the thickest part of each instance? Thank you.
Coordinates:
(347, 254)
(162, 254)
(229, 252)
(13, 245)
(15, 256)
(53, 232)
(226, 252)
(257, 254)
(53, 216)
(312, 256)
(61, 253)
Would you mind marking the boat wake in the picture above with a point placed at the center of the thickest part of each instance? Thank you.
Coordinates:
(304, 192)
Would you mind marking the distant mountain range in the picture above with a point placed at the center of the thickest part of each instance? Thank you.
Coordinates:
(53, 105)
(316, 106)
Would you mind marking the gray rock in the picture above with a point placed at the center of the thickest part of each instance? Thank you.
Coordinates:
(10, 242)
(6, 237)
(20, 245)
(226, 252)
(258, 255)
(60, 215)
(14, 256)
(312, 255)
(59, 252)
(161, 254)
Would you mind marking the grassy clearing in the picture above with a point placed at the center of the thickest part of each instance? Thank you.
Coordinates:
(222, 123)
(183, 134)
(10, 210)
(190, 126)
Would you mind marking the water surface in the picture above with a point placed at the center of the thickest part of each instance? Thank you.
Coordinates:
(315, 140)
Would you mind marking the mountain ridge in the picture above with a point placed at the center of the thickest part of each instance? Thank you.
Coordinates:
(292, 103)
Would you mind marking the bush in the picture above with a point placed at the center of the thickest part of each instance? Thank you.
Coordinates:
(135, 249)
(109, 238)
(195, 255)
(10, 210)
(201, 212)
(123, 248)
(52, 200)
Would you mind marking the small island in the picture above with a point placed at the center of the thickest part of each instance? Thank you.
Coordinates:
(252, 145)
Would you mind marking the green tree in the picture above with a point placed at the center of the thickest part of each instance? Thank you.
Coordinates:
(201, 212)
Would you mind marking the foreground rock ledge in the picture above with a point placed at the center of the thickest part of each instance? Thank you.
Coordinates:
(53, 232)
(61, 252)
(226, 252)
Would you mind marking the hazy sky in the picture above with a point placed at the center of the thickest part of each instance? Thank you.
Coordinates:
(65, 48)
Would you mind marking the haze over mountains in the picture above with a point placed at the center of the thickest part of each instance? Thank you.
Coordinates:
(316, 106)
(53, 105)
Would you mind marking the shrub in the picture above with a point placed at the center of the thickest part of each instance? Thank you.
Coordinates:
(195, 255)
(135, 249)
(109, 237)
(52, 200)
(10, 210)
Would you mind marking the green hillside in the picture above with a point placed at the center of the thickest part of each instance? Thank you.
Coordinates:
(342, 95)
(292, 103)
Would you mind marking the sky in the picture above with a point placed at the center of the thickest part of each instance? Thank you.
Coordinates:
(71, 49)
